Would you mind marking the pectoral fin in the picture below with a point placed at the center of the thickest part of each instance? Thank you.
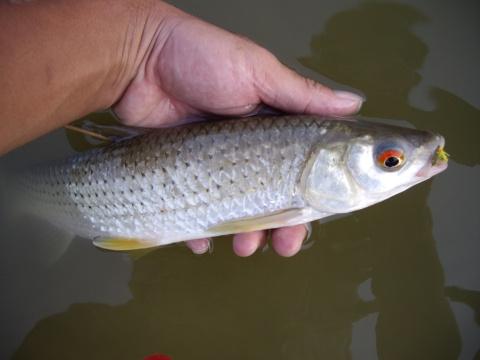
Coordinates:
(122, 244)
(271, 221)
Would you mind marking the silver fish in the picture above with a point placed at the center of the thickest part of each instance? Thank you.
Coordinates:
(216, 178)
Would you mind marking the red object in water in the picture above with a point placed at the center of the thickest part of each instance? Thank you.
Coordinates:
(157, 357)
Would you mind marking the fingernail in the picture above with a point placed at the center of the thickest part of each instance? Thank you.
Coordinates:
(201, 247)
(347, 95)
(200, 250)
(210, 245)
(347, 99)
(307, 242)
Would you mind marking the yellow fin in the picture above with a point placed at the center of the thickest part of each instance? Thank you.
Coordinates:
(122, 244)
(271, 221)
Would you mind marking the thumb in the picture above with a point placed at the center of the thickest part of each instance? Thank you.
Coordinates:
(284, 89)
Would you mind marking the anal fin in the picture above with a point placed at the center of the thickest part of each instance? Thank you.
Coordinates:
(271, 221)
(122, 244)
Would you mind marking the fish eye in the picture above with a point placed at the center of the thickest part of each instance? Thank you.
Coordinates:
(391, 159)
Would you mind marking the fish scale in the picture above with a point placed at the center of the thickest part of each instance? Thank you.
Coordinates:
(183, 179)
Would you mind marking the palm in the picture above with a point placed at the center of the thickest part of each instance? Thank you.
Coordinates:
(196, 68)
(199, 69)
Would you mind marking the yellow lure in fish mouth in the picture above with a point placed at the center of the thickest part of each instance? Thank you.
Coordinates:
(440, 156)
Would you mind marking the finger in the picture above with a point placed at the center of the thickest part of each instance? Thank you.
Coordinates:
(198, 246)
(283, 88)
(245, 244)
(287, 241)
(148, 106)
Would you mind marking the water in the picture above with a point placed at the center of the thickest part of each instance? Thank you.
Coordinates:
(399, 280)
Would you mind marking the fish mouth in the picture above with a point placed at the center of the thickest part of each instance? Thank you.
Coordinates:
(438, 160)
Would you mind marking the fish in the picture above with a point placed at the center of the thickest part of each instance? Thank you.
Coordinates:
(222, 177)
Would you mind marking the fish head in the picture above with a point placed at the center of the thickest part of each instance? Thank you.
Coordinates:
(371, 163)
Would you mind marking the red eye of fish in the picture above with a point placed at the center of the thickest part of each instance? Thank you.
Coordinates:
(390, 158)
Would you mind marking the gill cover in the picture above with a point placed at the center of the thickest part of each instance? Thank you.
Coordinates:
(327, 185)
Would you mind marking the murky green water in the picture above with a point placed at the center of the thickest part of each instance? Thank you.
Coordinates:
(400, 280)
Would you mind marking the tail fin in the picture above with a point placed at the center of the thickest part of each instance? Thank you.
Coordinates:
(19, 224)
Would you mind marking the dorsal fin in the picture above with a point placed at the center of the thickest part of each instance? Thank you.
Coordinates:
(99, 129)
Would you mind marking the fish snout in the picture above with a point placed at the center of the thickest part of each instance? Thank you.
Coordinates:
(438, 160)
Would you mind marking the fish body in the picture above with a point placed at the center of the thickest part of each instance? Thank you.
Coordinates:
(215, 178)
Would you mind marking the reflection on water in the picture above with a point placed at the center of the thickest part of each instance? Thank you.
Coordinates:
(382, 57)
(266, 307)
(468, 297)
(374, 49)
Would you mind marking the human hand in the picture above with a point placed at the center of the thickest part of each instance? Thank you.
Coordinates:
(195, 68)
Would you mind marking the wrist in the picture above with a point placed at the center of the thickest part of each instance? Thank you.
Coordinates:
(61, 60)
(146, 26)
